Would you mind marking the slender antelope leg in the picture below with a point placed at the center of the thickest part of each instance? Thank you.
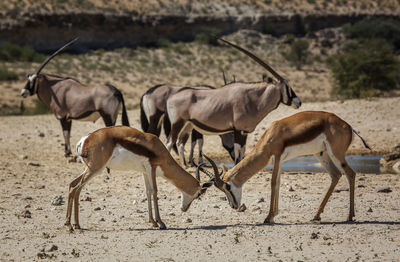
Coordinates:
(148, 193)
(66, 127)
(335, 175)
(275, 183)
(183, 137)
(155, 198)
(76, 206)
(71, 193)
(173, 136)
(155, 123)
(351, 177)
(108, 121)
(196, 138)
(192, 145)
(338, 158)
(181, 147)
(240, 142)
(200, 142)
(78, 188)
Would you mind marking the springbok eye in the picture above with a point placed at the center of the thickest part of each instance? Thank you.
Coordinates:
(228, 187)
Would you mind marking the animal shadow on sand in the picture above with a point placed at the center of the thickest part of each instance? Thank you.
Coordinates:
(259, 225)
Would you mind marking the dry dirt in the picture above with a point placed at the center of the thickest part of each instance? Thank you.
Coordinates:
(114, 211)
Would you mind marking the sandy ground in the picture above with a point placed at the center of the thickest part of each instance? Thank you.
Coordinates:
(113, 213)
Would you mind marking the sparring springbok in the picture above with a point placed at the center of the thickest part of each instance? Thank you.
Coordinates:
(235, 107)
(153, 105)
(321, 134)
(126, 148)
(70, 100)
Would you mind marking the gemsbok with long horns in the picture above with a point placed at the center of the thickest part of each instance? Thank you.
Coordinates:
(69, 100)
(153, 105)
(236, 107)
(322, 134)
(126, 148)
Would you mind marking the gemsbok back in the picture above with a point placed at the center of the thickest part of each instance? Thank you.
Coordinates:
(126, 148)
(70, 100)
(153, 105)
(235, 107)
(321, 134)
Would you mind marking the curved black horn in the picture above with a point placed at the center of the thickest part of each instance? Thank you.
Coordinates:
(55, 53)
(217, 175)
(255, 58)
(200, 168)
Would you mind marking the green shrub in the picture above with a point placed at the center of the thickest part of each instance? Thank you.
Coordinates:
(298, 53)
(11, 52)
(208, 36)
(39, 108)
(387, 29)
(163, 43)
(364, 69)
(7, 75)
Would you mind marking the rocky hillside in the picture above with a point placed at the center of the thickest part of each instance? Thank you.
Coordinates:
(46, 24)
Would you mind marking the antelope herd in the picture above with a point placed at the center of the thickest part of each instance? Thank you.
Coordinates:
(231, 111)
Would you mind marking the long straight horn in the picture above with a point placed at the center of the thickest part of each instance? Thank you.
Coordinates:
(223, 75)
(55, 53)
(255, 58)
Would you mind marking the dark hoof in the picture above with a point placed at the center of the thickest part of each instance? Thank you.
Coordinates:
(269, 220)
(162, 226)
(316, 219)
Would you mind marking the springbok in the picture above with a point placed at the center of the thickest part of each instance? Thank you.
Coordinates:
(235, 107)
(153, 105)
(321, 134)
(69, 100)
(126, 148)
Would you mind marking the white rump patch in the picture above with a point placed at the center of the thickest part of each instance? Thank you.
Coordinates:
(122, 159)
(79, 145)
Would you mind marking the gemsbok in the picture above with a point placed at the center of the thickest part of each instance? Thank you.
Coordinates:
(126, 148)
(69, 100)
(153, 105)
(235, 107)
(322, 134)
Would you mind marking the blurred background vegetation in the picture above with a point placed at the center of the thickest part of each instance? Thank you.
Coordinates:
(355, 61)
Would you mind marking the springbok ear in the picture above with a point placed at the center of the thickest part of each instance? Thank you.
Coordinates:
(224, 167)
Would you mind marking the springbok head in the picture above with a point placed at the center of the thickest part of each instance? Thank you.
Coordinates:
(30, 87)
(233, 193)
(288, 96)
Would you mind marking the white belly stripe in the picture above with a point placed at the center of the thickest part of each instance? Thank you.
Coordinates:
(310, 148)
(122, 159)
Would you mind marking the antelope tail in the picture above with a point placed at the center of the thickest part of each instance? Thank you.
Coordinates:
(143, 119)
(118, 94)
(362, 139)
